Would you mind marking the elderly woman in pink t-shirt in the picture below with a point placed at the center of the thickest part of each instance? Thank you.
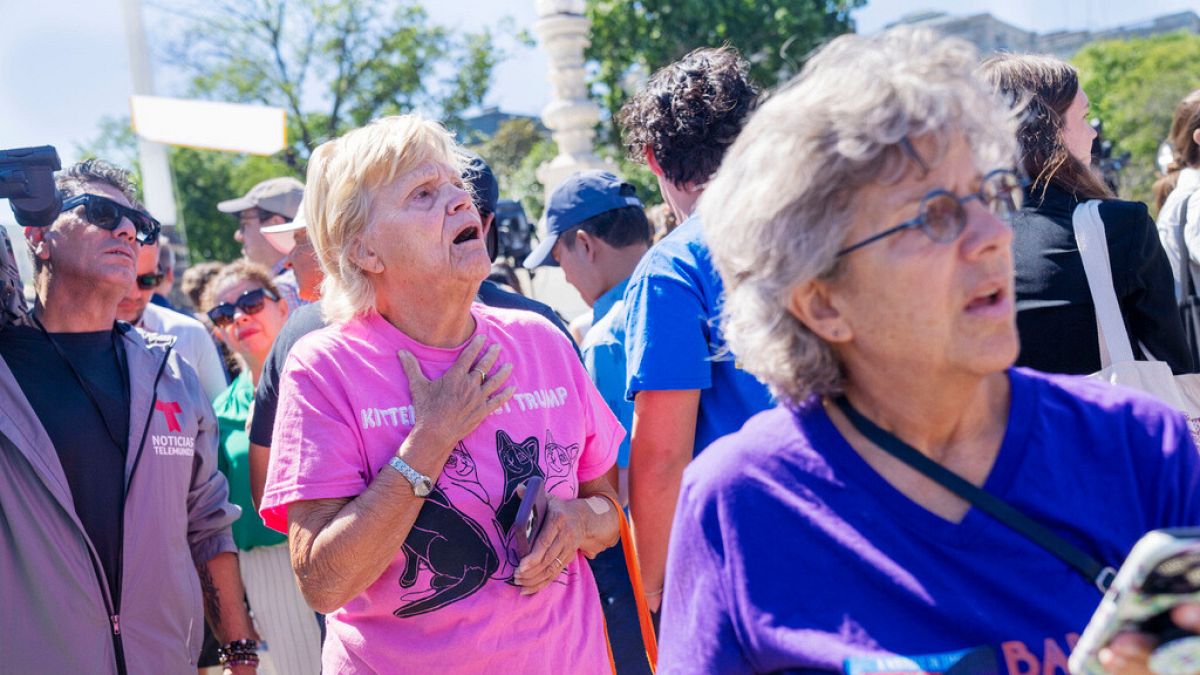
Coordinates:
(407, 429)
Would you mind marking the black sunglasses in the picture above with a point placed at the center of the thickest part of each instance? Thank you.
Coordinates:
(107, 214)
(942, 215)
(250, 302)
(148, 281)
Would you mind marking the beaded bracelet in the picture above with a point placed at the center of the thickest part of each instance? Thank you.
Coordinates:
(239, 653)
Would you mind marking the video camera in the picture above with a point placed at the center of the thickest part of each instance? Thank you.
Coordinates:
(514, 231)
(27, 181)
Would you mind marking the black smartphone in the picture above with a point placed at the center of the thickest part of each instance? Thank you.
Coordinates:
(530, 515)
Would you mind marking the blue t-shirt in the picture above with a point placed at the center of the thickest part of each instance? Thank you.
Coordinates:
(673, 340)
(604, 358)
(790, 553)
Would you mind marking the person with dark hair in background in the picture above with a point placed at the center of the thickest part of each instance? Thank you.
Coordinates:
(597, 232)
(1184, 174)
(110, 496)
(192, 339)
(244, 305)
(195, 278)
(192, 284)
(687, 389)
(1056, 318)
(166, 267)
(485, 190)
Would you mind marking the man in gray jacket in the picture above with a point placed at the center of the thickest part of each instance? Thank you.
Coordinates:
(114, 521)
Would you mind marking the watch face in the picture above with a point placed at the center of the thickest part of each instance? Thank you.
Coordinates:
(423, 487)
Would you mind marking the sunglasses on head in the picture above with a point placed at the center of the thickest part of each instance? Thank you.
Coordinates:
(107, 215)
(943, 214)
(148, 281)
(250, 302)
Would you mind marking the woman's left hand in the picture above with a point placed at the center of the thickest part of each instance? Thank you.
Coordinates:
(1129, 653)
(563, 532)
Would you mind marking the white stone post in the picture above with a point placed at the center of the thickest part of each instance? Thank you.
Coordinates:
(570, 115)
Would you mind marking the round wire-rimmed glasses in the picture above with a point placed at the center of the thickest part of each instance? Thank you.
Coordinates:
(943, 215)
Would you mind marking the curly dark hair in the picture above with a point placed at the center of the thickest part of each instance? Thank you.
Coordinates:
(74, 180)
(689, 113)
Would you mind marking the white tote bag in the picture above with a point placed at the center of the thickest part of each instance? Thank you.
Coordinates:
(1118, 366)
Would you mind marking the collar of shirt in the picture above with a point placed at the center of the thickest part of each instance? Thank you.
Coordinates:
(605, 302)
(279, 267)
(1189, 180)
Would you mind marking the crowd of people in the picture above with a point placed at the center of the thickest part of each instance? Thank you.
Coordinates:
(864, 301)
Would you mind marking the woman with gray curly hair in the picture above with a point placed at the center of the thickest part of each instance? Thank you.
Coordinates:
(869, 281)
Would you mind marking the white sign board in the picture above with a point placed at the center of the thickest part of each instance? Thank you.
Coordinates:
(209, 125)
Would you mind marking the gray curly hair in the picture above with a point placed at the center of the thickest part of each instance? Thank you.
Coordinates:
(782, 202)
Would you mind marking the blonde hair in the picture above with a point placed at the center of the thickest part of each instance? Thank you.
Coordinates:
(782, 203)
(343, 176)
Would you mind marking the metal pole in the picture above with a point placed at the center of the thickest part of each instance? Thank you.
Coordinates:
(156, 170)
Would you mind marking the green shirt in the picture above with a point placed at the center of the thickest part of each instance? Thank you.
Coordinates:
(232, 407)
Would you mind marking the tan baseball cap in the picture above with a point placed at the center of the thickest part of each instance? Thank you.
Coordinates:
(277, 195)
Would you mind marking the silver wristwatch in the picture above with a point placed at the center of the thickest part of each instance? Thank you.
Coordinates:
(421, 484)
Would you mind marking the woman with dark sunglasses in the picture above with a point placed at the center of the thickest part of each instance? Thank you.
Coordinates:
(860, 225)
(1055, 314)
(244, 305)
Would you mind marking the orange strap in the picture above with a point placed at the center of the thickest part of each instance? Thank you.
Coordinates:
(639, 593)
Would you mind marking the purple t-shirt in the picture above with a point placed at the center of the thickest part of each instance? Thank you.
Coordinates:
(789, 553)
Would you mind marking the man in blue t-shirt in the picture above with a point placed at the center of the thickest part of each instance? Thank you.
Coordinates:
(686, 388)
(597, 232)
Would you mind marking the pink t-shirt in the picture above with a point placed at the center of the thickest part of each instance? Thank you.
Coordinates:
(446, 603)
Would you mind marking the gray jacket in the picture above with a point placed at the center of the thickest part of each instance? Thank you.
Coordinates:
(56, 612)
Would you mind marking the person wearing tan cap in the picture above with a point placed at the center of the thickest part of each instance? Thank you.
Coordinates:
(274, 201)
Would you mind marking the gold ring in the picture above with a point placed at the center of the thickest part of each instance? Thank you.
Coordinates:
(482, 375)
(560, 563)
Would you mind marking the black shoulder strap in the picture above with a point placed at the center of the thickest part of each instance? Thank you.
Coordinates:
(1186, 283)
(995, 507)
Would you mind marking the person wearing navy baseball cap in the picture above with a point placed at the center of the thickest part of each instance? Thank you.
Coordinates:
(597, 231)
(582, 195)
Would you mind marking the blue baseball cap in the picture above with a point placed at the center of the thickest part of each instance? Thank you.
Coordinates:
(581, 196)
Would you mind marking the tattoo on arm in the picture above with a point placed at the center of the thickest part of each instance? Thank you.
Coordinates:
(212, 600)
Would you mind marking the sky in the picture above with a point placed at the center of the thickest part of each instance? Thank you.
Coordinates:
(64, 64)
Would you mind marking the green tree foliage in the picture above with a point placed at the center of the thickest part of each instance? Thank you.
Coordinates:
(1134, 86)
(629, 40)
(520, 146)
(202, 179)
(514, 152)
(331, 64)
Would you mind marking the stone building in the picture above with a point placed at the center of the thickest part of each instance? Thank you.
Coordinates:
(990, 34)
